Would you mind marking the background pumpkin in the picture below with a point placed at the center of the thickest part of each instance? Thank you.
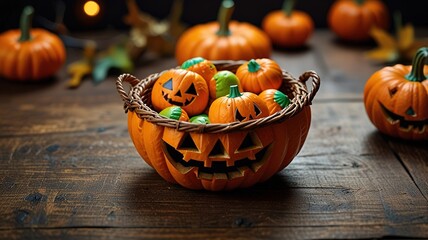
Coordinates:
(260, 74)
(352, 20)
(237, 107)
(223, 39)
(288, 28)
(182, 88)
(396, 99)
(30, 54)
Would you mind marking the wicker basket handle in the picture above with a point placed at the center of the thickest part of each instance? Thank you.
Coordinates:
(315, 84)
(126, 77)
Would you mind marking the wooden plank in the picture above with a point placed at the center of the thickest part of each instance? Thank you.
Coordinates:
(96, 179)
(414, 156)
(235, 232)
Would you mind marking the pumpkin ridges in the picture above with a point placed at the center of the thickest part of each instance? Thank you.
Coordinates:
(153, 143)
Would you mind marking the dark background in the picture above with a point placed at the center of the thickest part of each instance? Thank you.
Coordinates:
(195, 11)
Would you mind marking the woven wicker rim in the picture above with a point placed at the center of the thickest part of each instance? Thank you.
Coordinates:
(139, 101)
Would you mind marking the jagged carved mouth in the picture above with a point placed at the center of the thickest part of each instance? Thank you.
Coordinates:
(405, 125)
(218, 169)
(180, 104)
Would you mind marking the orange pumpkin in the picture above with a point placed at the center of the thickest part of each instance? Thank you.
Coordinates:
(260, 74)
(352, 20)
(199, 65)
(396, 99)
(181, 88)
(288, 28)
(223, 39)
(209, 157)
(237, 107)
(30, 54)
(275, 100)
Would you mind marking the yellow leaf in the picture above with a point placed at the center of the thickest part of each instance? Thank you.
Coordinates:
(383, 39)
(406, 37)
(383, 54)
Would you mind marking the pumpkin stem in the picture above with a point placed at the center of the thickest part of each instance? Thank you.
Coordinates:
(253, 66)
(25, 23)
(281, 99)
(288, 7)
(359, 2)
(234, 91)
(418, 64)
(190, 62)
(224, 16)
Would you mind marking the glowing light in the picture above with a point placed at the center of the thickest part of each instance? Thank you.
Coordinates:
(91, 8)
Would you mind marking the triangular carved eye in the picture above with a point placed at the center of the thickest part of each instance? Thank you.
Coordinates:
(410, 112)
(218, 150)
(238, 116)
(192, 90)
(257, 110)
(392, 91)
(168, 84)
(251, 141)
(187, 143)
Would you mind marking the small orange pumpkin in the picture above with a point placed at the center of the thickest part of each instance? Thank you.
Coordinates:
(237, 107)
(275, 100)
(182, 88)
(223, 39)
(396, 99)
(30, 54)
(288, 28)
(352, 20)
(199, 65)
(260, 74)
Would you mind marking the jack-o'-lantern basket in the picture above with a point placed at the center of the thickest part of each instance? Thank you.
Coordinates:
(218, 156)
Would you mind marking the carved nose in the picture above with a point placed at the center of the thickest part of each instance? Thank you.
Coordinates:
(178, 94)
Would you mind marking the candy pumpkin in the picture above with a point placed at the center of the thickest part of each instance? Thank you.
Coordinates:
(219, 84)
(181, 88)
(275, 100)
(30, 54)
(260, 74)
(288, 28)
(237, 106)
(199, 65)
(223, 40)
(175, 112)
(352, 20)
(396, 99)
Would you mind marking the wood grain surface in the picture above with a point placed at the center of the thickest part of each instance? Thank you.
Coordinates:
(68, 169)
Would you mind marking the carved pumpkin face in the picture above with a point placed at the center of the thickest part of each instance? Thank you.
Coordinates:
(182, 88)
(217, 156)
(237, 107)
(397, 102)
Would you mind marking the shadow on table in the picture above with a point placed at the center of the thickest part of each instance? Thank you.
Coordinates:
(176, 206)
(16, 87)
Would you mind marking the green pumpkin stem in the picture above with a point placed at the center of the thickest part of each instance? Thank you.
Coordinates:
(288, 7)
(281, 99)
(359, 2)
(25, 23)
(224, 17)
(253, 66)
(418, 64)
(234, 91)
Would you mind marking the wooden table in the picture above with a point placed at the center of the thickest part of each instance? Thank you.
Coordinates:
(70, 171)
